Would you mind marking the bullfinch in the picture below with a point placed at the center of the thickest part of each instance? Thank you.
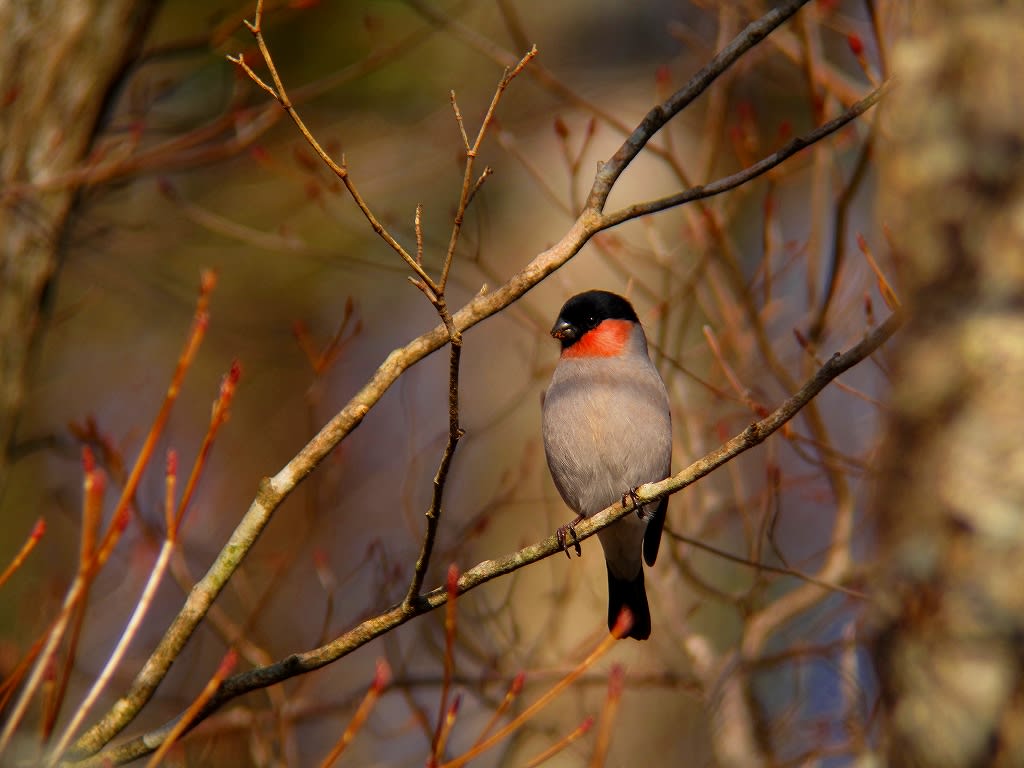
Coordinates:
(607, 430)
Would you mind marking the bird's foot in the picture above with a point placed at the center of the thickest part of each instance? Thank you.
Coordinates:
(560, 535)
(631, 494)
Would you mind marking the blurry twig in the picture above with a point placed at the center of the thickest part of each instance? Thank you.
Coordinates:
(841, 215)
(616, 681)
(381, 680)
(619, 630)
(575, 735)
(277, 92)
(26, 549)
(450, 620)
(119, 519)
(185, 721)
(762, 566)
(172, 520)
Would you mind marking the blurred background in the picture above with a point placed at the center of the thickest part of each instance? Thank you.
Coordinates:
(215, 176)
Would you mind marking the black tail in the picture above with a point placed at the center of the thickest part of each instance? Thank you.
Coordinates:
(632, 595)
(652, 535)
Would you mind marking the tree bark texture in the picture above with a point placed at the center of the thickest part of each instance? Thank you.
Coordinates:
(58, 64)
(950, 497)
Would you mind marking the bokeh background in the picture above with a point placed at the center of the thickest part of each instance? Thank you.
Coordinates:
(241, 193)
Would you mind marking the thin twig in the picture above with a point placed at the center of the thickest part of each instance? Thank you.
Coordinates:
(119, 517)
(575, 735)
(658, 116)
(616, 682)
(173, 519)
(280, 95)
(450, 624)
(762, 166)
(602, 648)
(185, 721)
(469, 189)
(381, 680)
(796, 574)
(455, 433)
(838, 254)
(26, 549)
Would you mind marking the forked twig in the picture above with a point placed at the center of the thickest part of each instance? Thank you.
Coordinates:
(619, 630)
(468, 188)
(280, 95)
(438, 298)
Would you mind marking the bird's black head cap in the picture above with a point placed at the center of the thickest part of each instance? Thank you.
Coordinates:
(585, 311)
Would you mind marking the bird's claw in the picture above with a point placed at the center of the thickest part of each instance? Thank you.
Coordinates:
(560, 536)
(632, 495)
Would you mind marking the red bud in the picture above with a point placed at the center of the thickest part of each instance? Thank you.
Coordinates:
(207, 280)
(88, 460)
(561, 128)
(517, 683)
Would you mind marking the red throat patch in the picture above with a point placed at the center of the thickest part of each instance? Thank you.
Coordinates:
(606, 340)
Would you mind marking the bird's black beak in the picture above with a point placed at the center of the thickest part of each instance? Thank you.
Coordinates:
(564, 331)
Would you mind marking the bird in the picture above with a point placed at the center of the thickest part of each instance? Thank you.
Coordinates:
(607, 429)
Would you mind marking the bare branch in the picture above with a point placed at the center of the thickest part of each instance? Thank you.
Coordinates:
(762, 166)
(455, 433)
(469, 189)
(279, 94)
(658, 116)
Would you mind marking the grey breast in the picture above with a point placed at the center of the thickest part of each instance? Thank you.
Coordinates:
(607, 428)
